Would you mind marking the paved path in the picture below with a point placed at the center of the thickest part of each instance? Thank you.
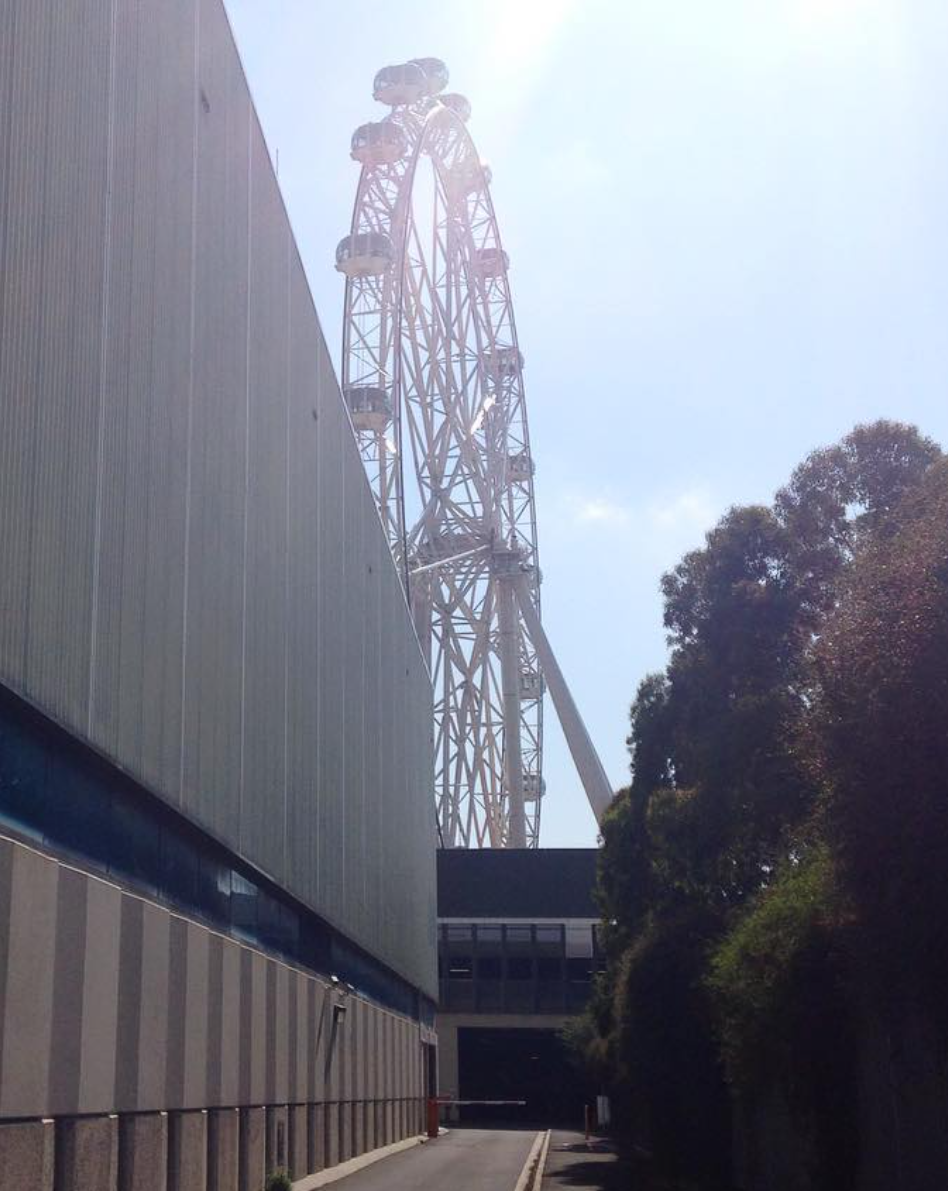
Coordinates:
(460, 1160)
(570, 1164)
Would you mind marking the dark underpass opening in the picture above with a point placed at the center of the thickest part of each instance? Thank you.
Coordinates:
(511, 1064)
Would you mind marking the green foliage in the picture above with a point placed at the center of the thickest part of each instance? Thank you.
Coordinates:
(780, 984)
(879, 741)
(279, 1180)
(764, 971)
(791, 759)
(665, 1054)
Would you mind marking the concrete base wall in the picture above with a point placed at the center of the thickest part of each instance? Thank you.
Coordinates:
(143, 1152)
(187, 1151)
(87, 1154)
(27, 1154)
(218, 1150)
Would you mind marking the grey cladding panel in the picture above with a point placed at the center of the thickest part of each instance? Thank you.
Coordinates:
(219, 415)
(192, 572)
(331, 603)
(263, 785)
(24, 78)
(303, 587)
(356, 586)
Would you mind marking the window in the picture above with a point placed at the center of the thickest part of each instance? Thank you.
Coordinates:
(579, 941)
(519, 968)
(549, 969)
(550, 940)
(460, 967)
(489, 967)
(579, 971)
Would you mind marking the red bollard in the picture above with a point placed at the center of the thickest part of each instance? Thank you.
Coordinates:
(432, 1117)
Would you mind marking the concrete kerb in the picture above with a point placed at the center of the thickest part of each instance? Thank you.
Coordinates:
(532, 1174)
(325, 1177)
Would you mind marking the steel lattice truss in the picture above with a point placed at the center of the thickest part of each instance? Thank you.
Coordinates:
(432, 374)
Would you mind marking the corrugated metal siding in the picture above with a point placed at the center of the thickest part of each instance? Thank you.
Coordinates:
(192, 573)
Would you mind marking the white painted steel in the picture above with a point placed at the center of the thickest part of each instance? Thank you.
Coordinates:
(430, 341)
(582, 750)
(434, 337)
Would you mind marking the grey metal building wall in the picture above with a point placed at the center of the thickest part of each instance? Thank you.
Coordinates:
(192, 573)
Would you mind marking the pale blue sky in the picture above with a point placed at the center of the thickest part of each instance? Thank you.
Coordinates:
(727, 230)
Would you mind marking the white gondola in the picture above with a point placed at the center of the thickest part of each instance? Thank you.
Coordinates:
(369, 407)
(531, 685)
(435, 73)
(491, 261)
(534, 787)
(367, 254)
(398, 85)
(520, 467)
(459, 104)
(506, 362)
(381, 143)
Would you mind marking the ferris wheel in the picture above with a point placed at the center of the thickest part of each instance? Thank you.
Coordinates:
(432, 375)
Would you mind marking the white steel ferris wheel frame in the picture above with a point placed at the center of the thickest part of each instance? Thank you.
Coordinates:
(433, 377)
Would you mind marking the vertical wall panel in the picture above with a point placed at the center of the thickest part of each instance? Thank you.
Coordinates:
(60, 587)
(331, 606)
(353, 628)
(172, 33)
(25, 85)
(28, 986)
(303, 433)
(99, 1000)
(217, 521)
(263, 786)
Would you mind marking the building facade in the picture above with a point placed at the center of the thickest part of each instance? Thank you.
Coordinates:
(517, 954)
(217, 885)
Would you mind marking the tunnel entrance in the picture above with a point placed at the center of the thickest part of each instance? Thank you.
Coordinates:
(519, 1064)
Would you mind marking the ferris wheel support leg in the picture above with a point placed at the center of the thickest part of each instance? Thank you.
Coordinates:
(510, 680)
(585, 757)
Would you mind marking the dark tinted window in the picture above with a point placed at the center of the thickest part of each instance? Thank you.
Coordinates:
(489, 967)
(519, 968)
(549, 969)
(579, 970)
(460, 967)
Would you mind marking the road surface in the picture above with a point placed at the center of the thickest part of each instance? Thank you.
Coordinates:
(460, 1160)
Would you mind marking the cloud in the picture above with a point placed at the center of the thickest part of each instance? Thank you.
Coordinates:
(656, 533)
(600, 511)
(690, 512)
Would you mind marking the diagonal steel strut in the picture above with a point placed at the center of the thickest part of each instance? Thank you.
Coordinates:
(582, 750)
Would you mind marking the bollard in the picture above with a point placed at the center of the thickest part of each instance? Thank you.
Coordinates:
(432, 1117)
(589, 1122)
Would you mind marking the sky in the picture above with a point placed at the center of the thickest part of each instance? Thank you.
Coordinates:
(727, 231)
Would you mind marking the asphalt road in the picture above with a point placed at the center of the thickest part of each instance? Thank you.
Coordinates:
(460, 1160)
